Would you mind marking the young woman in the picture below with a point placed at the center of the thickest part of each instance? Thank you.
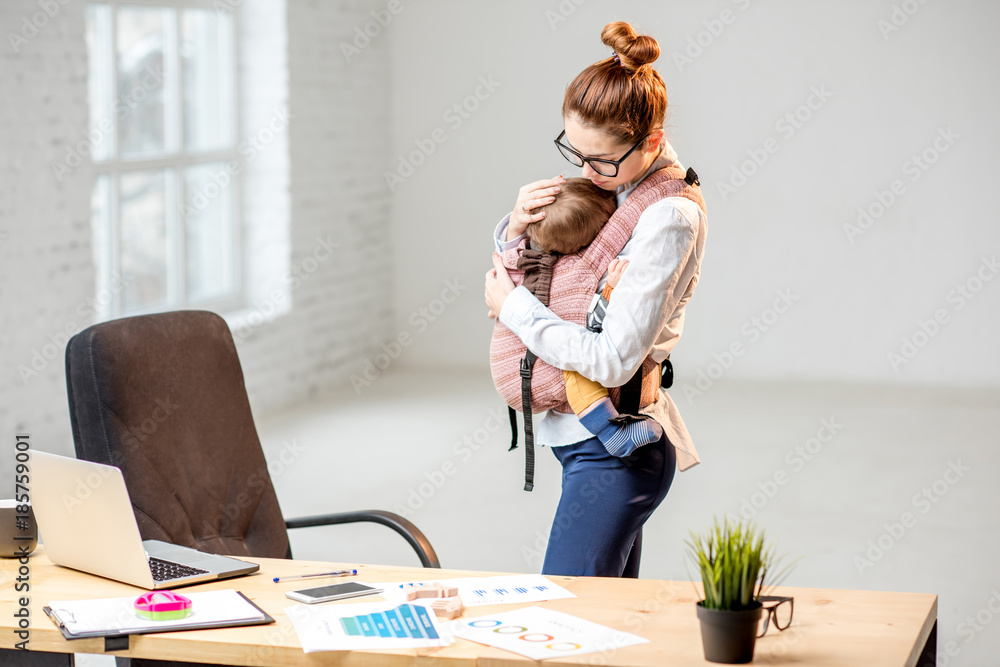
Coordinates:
(613, 116)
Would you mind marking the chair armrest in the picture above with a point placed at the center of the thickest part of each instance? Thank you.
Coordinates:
(412, 534)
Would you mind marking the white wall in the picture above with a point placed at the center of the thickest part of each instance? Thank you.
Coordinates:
(319, 181)
(418, 280)
(784, 229)
(46, 270)
(336, 144)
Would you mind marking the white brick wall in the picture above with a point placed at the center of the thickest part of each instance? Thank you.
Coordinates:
(320, 180)
(46, 271)
(338, 140)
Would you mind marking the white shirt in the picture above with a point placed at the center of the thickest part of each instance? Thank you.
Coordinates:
(644, 317)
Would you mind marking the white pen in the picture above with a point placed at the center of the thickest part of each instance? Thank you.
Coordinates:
(335, 573)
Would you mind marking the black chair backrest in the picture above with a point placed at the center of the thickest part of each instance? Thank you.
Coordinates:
(162, 397)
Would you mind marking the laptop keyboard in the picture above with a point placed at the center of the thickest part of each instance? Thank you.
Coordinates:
(165, 570)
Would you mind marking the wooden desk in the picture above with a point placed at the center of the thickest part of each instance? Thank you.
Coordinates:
(830, 627)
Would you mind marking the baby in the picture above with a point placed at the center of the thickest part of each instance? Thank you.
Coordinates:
(571, 222)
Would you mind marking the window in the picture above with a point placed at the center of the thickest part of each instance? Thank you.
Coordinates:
(163, 131)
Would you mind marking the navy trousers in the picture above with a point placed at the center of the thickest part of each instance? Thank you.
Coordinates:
(597, 530)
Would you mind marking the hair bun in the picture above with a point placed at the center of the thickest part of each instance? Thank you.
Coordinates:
(633, 50)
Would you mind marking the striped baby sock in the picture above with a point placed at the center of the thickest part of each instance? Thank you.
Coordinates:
(620, 439)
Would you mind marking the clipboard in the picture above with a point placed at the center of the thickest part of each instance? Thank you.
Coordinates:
(114, 619)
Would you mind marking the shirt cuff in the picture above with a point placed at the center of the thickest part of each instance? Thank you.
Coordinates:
(501, 233)
(516, 309)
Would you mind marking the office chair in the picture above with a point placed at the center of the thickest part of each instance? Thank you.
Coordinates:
(162, 397)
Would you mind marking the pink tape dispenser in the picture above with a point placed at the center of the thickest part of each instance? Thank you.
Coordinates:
(162, 606)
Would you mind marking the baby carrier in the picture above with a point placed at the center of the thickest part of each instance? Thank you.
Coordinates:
(567, 285)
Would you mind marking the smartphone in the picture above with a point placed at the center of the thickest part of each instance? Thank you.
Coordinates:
(350, 589)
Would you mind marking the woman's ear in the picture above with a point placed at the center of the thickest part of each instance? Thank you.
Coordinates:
(654, 141)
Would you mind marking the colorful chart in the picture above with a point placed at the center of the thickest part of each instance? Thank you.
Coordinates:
(514, 590)
(405, 621)
(542, 633)
(506, 589)
(373, 625)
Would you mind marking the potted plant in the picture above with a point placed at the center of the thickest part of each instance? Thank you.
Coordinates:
(735, 565)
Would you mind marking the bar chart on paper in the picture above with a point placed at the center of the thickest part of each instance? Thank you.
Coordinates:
(481, 591)
(373, 625)
(494, 595)
(406, 621)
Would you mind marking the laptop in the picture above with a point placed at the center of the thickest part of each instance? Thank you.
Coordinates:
(85, 515)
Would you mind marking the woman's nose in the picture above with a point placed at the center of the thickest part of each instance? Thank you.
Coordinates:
(588, 171)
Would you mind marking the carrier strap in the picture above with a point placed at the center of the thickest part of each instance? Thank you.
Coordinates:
(537, 266)
(529, 435)
(628, 401)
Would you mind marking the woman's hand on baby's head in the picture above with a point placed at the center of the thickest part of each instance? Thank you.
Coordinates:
(529, 198)
(615, 270)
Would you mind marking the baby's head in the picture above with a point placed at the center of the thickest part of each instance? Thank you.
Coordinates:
(573, 220)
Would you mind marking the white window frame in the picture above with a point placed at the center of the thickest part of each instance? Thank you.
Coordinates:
(174, 161)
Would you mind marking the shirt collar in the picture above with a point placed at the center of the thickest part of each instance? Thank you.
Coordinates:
(666, 158)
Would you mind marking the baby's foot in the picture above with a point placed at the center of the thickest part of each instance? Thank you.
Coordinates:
(620, 434)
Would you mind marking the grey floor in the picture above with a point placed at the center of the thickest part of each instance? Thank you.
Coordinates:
(434, 448)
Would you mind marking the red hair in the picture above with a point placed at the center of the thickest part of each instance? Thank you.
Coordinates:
(622, 95)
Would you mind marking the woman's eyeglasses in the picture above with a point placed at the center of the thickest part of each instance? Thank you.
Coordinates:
(607, 168)
(777, 607)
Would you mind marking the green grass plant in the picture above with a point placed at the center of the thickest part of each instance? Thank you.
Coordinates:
(734, 563)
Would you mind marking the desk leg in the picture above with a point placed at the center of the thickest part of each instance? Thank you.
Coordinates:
(928, 657)
(12, 658)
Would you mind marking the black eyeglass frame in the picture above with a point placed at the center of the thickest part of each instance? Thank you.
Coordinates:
(591, 160)
(771, 611)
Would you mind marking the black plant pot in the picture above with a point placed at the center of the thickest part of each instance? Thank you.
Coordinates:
(729, 636)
